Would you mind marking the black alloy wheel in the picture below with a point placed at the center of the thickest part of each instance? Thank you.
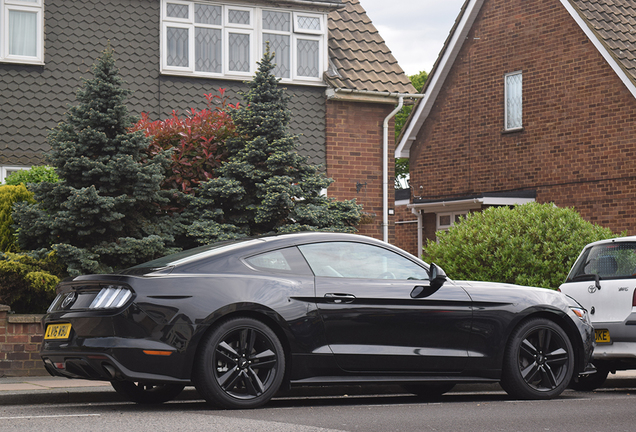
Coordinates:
(538, 362)
(241, 364)
(145, 393)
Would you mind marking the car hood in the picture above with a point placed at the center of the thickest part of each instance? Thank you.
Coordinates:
(511, 293)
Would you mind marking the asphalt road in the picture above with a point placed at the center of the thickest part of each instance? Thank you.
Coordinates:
(466, 409)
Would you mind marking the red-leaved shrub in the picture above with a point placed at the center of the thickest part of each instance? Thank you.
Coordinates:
(197, 141)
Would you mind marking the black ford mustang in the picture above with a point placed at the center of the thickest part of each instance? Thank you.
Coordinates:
(240, 320)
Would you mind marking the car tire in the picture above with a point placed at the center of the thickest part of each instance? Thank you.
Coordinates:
(240, 365)
(592, 381)
(147, 393)
(429, 390)
(538, 361)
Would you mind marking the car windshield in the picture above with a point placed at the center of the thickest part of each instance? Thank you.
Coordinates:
(616, 260)
(184, 257)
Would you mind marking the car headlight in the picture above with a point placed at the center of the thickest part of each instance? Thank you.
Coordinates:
(581, 313)
(111, 297)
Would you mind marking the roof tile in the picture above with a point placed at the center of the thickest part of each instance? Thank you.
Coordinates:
(614, 21)
(359, 55)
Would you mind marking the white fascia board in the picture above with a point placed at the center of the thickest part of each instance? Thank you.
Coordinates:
(600, 47)
(497, 201)
(468, 204)
(437, 81)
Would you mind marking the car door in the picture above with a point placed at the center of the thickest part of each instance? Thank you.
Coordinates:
(603, 280)
(372, 321)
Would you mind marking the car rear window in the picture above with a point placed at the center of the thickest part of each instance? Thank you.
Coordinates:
(187, 256)
(616, 260)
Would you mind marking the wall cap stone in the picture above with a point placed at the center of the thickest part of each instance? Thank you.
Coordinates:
(24, 318)
(4, 308)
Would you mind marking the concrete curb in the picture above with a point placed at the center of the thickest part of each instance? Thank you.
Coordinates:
(56, 390)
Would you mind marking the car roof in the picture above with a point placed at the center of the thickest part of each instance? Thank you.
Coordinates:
(612, 240)
(251, 245)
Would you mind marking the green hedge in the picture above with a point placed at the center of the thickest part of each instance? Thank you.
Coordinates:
(532, 244)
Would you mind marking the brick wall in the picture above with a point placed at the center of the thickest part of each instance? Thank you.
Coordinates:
(406, 230)
(578, 140)
(20, 340)
(354, 156)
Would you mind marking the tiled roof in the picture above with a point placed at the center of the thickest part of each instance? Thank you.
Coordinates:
(359, 58)
(614, 23)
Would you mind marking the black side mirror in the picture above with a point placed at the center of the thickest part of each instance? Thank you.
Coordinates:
(436, 276)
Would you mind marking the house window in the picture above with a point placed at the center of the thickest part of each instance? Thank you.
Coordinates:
(513, 101)
(217, 40)
(6, 170)
(447, 220)
(21, 31)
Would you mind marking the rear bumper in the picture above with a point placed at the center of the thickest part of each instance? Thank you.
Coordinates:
(113, 358)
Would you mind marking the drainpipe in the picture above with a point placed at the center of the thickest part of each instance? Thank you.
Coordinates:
(385, 143)
(420, 231)
(385, 170)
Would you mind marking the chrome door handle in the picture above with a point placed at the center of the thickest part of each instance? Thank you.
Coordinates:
(340, 298)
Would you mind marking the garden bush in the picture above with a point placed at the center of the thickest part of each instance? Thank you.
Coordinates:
(35, 174)
(196, 142)
(28, 280)
(532, 244)
(9, 195)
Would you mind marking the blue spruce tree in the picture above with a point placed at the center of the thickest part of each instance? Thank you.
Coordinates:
(104, 213)
(266, 186)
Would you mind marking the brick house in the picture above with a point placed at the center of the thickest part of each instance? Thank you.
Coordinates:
(529, 100)
(343, 80)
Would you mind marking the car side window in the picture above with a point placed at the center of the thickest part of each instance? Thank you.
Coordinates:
(287, 260)
(359, 260)
(612, 260)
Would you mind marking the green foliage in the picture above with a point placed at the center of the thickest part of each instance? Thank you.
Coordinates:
(196, 142)
(402, 165)
(532, 244)
(401, 173)
(418, 82)
(9, 195)
(27, 281)
(35, 174)
(105, 207)
(265, 186)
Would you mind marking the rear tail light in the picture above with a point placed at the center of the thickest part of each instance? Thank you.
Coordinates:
(111, 297)
(634, 299)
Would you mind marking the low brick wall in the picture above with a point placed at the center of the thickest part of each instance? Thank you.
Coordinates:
(20, 340)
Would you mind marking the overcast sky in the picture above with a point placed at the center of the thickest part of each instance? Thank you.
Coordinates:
(414, 30)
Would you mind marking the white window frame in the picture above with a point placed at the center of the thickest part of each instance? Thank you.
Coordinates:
(453, 216)
(507, 127)
(255, 30)
(298, 29)
(36, 7)
(289, 33)
(6, 170)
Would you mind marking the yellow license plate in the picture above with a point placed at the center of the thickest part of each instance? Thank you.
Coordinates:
(602, 336)
(58, 331)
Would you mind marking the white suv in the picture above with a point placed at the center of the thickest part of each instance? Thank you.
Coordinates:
(603, 280)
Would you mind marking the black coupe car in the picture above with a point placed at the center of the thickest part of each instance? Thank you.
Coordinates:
(241, 320)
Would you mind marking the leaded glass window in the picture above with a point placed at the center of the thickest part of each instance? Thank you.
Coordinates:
(514, 101)
(227, 41)
(308, 60)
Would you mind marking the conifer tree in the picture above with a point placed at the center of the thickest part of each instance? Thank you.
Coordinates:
(265, 186)
(102, 214)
